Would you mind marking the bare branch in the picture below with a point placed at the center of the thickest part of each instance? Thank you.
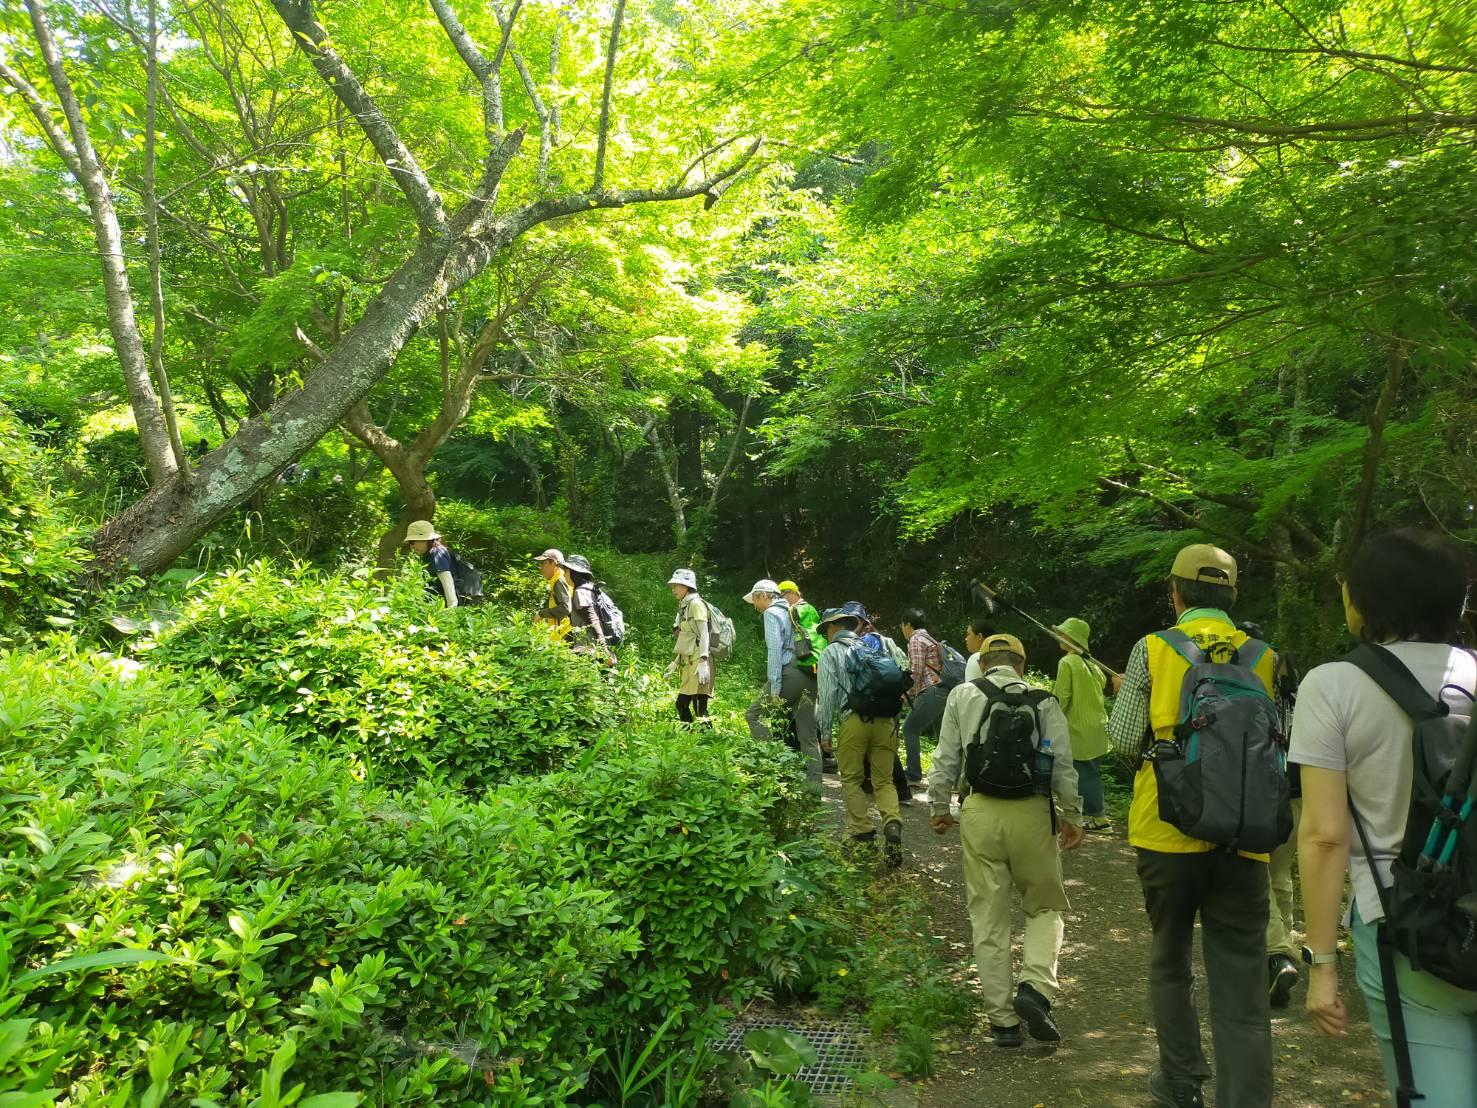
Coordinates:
(313, 41)
(486, 72)
(604, 137)
(41, 111)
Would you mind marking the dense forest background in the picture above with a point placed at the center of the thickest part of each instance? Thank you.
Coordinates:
(876, 295)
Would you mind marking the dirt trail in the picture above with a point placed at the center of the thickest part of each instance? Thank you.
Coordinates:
(1109, 1045)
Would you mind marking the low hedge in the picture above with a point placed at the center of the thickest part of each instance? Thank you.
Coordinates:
(468, 697)
(416, 945)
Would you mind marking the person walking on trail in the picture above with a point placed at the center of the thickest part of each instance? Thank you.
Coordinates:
(1079, 690)
(803, 619)
(861, 735)
(587, 631)
(874, 639)
(809, 643)
(1014, 748)
(1368, 732)
(1183, 877)
(559, 598)
(928, 694)
(1283, 953)
(692, 657)
(424, 540)
(975, 634)
(785, 686)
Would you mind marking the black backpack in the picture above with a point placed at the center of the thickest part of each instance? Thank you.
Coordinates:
(1223, 777)
(612, 619)
(876, 683)
(1001, 758)
(1431, 903)
(466, 578)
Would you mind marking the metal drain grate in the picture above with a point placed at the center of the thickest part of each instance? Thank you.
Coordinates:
(838, 1046)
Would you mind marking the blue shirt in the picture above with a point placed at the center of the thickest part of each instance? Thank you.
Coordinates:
(438, 561)
(779, 641)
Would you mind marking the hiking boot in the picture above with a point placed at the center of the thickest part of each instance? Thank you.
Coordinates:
(1283, 977)
(893, 852)
(1099, 825)
(1035, 1012)
(1006, 1036)
(1182, 1092)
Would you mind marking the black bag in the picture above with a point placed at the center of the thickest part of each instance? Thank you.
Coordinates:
(1223, 777)
(1431, 903)
(875, 683)
(466, 578)
(612, 619)
(804, 648)
(1001, 758)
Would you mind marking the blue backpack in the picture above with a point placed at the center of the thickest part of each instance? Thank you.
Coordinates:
(1223, 776)
(875, 683)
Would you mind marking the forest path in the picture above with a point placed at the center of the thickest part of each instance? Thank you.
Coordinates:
(1109, 1047)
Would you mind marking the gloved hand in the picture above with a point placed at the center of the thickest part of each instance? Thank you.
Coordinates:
(671, 668)
(704, 671)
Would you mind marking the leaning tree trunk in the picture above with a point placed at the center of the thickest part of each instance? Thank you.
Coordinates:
(152, 533)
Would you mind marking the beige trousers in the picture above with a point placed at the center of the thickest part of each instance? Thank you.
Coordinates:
(854, 743)
(1009, 844)
(1280, 919)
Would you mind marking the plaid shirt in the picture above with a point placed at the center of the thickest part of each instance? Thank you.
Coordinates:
(1130, 719)
(926, 660)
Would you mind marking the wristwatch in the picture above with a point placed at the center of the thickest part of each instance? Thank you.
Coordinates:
(1311, 959)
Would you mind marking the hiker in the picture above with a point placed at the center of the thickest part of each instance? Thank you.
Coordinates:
(928, 695)
(559, 599)
(1184, 877)
(424, 540)
(1008, 830)
(1283, 954)
(587, 630)
(872, 637)
(692, 653)
(809, 643)
(1079, 690)
(861, 688)
(1405, 591)
(975, 633)
(784, 685)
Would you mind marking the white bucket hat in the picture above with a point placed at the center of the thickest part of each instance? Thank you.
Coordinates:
(684, 577)
(762, 586)
(421, 531)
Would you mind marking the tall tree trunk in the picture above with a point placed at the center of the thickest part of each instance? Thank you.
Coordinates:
(122, 319)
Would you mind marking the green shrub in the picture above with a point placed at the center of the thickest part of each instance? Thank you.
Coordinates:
(40, 543)
(417, 945)
(465, 697)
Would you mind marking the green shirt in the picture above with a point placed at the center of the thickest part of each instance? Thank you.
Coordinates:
(1079, 690)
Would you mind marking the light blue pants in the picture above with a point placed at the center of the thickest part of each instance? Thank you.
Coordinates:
(1440, 1023)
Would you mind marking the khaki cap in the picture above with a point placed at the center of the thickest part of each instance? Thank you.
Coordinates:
(1203, 562)
(1003, 642)
(421, 531)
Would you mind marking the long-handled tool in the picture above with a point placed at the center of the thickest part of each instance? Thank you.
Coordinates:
(994, 601)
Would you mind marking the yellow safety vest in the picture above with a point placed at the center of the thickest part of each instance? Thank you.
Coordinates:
(1167, 669)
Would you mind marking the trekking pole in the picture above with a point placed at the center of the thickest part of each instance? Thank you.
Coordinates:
(994, 601)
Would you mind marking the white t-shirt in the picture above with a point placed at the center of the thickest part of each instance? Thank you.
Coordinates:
(972, 671)
(1345, 722)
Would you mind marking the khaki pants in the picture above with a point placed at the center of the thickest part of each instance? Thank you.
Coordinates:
(856, 741)
(1009, 844)
(1280, 921)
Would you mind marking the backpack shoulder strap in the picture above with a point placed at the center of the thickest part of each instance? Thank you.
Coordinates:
(1399, 684)
(1251, 652)
(1186, 647)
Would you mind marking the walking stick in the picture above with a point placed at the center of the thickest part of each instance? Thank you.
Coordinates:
(994, 601)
